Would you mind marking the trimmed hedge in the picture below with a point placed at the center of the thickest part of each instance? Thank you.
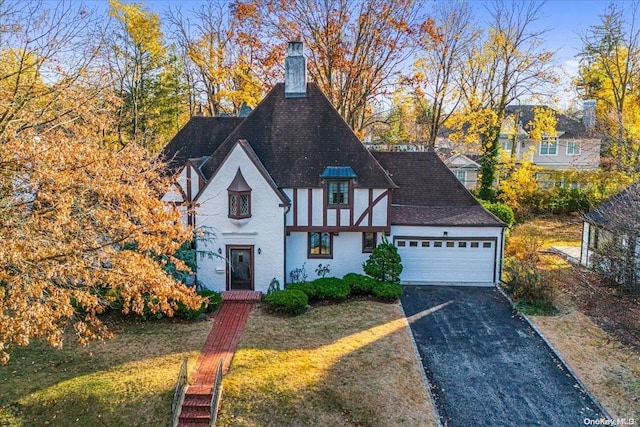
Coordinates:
(287, 301)
(331, 288)
(359, 283)
(387, 291)
(307, 287)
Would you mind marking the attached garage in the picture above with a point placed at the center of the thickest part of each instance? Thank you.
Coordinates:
(456, 260)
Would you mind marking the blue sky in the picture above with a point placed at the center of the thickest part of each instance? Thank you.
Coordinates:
(564, 20)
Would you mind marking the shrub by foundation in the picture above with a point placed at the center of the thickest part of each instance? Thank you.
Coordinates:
(287, 301)
(359, 283)
(307, 287)
(331, 288)
(387, 291)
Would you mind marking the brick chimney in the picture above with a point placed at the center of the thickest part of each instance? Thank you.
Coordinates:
(295, 80)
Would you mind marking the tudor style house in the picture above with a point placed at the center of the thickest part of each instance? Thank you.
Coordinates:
(291, 187)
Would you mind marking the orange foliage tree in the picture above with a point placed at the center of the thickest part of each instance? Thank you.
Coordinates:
(82, 227)
(354, 49)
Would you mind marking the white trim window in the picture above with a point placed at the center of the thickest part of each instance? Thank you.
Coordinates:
(549, 146)
(573, 148)
(462, 176)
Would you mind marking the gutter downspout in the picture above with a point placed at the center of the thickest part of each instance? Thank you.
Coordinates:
(284, 264)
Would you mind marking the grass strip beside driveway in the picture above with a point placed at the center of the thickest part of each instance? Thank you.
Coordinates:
(340, 365)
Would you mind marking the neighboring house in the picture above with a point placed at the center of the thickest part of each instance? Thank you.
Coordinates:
(575, 147)
(292, 187)
(612, 229)
(464, 168)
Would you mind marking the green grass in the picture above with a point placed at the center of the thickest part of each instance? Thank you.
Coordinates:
(127, 380)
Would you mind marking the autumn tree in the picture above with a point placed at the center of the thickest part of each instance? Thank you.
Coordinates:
(440, 58)
(227, 63)
(610, 73)
(45, 53)
(145, 77)
(82, 227)
(505, 63)
(354, 49)
(407, 120)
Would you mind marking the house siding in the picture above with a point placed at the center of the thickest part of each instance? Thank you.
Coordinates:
(347, 256)
(264, 230)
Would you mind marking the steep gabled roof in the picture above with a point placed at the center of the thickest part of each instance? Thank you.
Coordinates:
(200, 137)
(568, 127)
(621, 211)
(429, 193)
(297, 138)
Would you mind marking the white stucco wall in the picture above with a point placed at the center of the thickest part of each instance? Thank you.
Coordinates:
(264, 230)
(584, 247)
(347, 255)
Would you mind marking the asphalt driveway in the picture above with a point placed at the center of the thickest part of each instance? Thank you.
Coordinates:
(487, 366)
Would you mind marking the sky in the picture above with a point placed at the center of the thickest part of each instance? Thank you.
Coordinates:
(564, 20)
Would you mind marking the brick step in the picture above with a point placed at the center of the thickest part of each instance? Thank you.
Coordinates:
(193, 424)
(194, 413)
(197, 400)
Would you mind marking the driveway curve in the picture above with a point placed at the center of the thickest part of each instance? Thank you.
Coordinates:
(487, 366)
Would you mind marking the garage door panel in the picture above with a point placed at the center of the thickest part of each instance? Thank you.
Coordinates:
(461, 260)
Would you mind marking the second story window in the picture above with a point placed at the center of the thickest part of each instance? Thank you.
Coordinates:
(337, 183)
(462, 176)
(573, 148)
(338, 192)
(239, 197)
(549, 146)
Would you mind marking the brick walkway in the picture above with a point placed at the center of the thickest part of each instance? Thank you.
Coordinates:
(228, 325)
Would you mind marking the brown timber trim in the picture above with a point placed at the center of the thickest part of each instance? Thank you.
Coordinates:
(309, 207)
(369, 209)
(371, 204)
(295, 207)
(333, 229)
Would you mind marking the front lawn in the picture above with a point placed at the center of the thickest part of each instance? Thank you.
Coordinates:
(125, 381)
(350, 364)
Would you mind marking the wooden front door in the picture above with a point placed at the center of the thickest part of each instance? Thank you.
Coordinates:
(240, 268)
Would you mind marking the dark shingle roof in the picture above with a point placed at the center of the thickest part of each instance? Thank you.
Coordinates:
(429, 193)
(571, 127)
(200, 137)
(620, 212)
(297, 138)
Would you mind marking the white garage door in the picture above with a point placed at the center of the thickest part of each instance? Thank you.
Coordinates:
(427, 260)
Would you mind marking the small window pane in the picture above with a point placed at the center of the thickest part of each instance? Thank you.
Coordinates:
(401, 243)
(437, 244)
(486, 244)
(244, 205)
(450, 244)
(369, 241)
(338, 192)
(413, 244)
(425, 244)
(474, 244)
(319, 243)
(462, 244)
